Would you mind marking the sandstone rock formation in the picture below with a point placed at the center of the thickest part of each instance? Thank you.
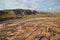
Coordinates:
(43, 29)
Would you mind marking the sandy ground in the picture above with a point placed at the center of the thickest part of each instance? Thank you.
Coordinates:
(31, 29)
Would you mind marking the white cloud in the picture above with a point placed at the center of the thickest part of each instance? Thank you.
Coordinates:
(54, 9)
(28, 4)
(57, 8)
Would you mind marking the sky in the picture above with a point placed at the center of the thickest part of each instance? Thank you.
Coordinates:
(39, 5)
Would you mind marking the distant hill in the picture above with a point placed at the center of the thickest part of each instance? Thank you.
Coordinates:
(22, 13)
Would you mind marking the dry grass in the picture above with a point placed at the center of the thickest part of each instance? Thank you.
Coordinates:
(12, 15)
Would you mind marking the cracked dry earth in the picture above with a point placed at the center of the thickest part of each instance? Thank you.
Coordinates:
(43, 29)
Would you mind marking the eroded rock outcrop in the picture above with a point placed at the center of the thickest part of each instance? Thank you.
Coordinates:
(43, 29)
(6, 14)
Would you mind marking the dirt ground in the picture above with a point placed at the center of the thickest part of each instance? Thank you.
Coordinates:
(43, 29)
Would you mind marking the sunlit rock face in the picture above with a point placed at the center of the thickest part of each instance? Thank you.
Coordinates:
(24, 12)
(20, 11)
(14, 13)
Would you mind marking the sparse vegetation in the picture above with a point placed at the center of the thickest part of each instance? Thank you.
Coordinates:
(29, 25)
(23, 13)
(12, 15)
